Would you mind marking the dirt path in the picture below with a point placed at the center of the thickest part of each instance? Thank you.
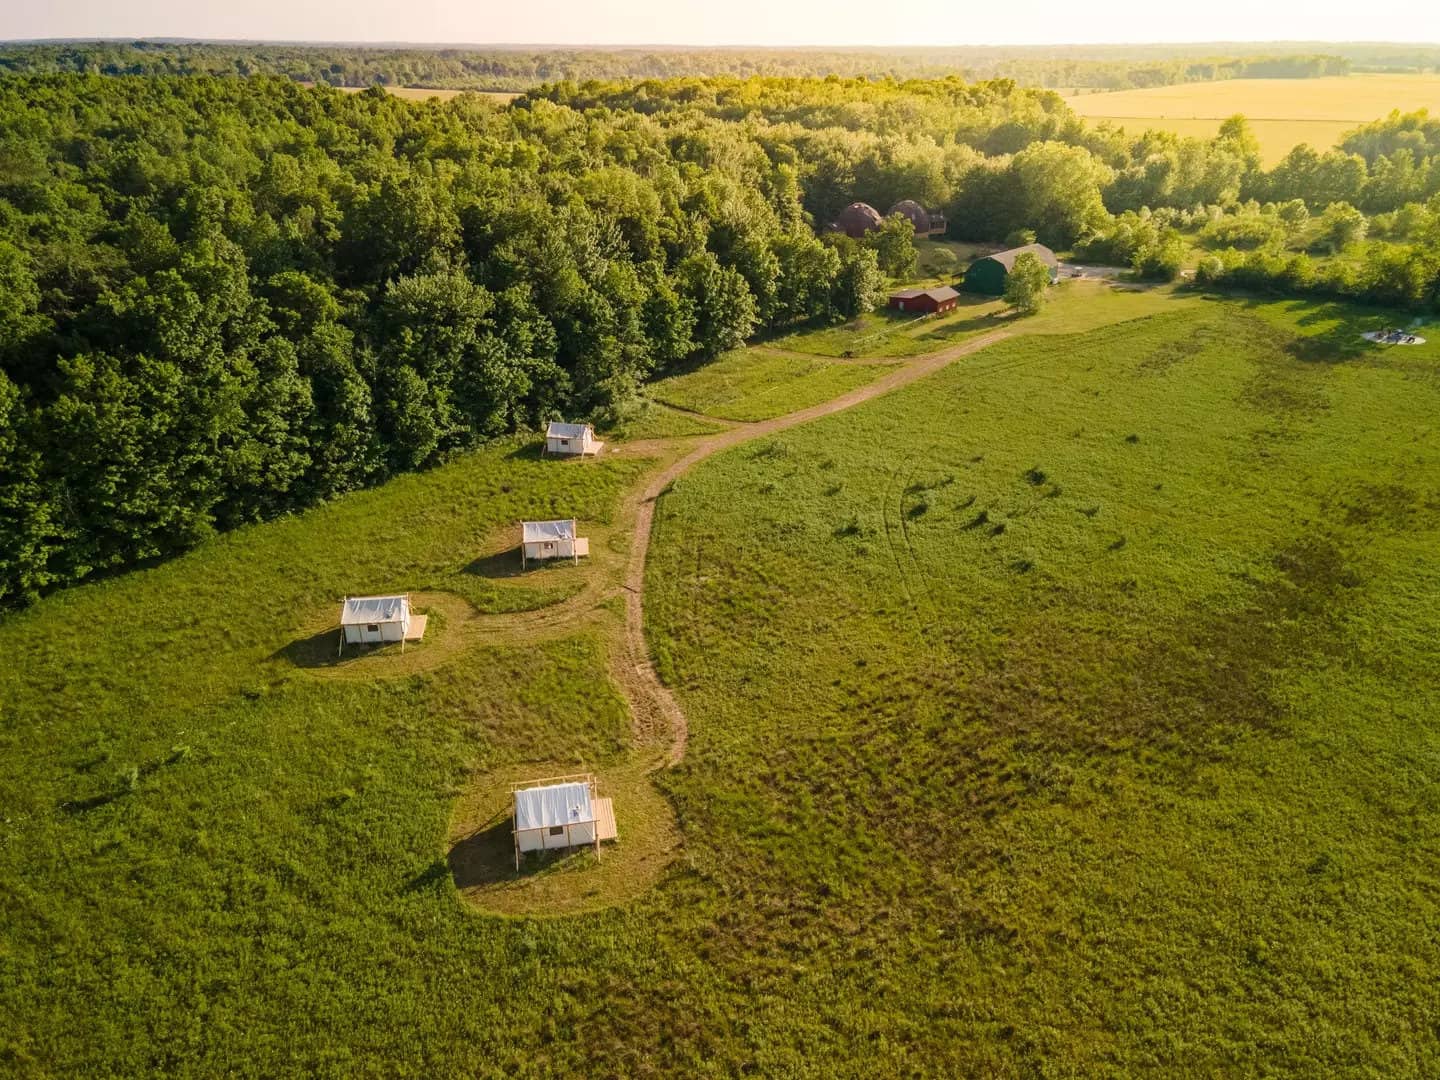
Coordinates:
(652, 705)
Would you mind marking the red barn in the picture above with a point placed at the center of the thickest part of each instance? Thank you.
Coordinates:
(929, 301)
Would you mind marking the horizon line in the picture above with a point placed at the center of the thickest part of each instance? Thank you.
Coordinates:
(173, 39)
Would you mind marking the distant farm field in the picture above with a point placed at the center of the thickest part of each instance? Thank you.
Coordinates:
(423, 93)
(1283, 112)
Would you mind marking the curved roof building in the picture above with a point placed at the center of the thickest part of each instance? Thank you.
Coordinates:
(857, 219)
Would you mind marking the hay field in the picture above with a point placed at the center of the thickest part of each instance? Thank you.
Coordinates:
(1283, 112)
(425, 93)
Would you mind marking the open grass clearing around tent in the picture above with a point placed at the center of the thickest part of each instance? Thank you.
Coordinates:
(186, 803)
(758, 383)
(1079, 700)
(481, 853)
(651, 420)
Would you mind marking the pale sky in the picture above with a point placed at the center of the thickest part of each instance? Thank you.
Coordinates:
(729, 22)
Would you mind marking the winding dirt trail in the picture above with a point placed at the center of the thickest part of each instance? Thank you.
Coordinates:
(652, 705)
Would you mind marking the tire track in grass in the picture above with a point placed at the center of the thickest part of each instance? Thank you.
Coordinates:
(902, 572)
(655, 710)
(931, 614)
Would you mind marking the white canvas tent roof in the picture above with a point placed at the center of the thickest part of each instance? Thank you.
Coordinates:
(560, 430)
(534, 532)
(555, 804)
(373, 609)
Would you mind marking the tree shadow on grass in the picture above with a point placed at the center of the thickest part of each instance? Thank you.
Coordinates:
(322, 650)
(987, 321)
(503, 564)
(1341, 341)
(532, 451)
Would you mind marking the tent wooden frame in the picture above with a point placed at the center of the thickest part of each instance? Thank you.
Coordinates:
(588, 779)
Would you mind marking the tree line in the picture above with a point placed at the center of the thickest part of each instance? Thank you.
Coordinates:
(222, 300)
(500, 68)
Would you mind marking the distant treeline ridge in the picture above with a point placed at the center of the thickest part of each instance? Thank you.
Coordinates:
(520, 69)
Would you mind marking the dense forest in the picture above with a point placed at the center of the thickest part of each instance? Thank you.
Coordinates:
(225, 299)
(499, 68)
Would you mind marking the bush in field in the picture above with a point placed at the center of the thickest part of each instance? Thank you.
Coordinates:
(1337, 228)
(1247, 231)
(1142, 241)
(1026, 284)
(859, 284)
(894, 246)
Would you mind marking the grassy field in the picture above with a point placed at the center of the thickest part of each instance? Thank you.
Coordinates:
(651, 420)
(1283, 112)
(1074, 711)
(1072, 306)
(756, 383)
(1070, 712)
(230, 853)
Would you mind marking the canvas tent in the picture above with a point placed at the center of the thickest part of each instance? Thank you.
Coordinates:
(560, 812)
(561, 438)
(551, 540)
(374, 620)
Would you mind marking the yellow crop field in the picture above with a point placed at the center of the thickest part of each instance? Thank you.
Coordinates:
(421, 93)
(1283, 112)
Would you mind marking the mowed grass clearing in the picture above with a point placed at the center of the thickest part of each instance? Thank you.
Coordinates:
(809, 366)
(758, 383)
(1283, 112)
(1072, 306)
(1074, 712)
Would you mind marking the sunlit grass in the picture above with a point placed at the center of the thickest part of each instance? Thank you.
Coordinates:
(1090, 684)
(1142, 783)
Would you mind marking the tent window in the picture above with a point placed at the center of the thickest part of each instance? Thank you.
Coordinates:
(557, 830)
(372, 628)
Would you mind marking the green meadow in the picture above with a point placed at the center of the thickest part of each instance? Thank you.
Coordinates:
(1069, 712)
(1074, 712)
(756, 384)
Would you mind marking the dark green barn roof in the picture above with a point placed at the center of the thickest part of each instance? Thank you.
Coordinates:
(988, 275)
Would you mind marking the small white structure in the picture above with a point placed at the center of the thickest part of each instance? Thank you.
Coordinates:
(560, 812)
(551, 540)
(561, 438)
(378, 620)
